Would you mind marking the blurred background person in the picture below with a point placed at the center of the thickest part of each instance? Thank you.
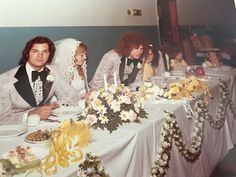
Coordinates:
(176, 59)
(153, 63)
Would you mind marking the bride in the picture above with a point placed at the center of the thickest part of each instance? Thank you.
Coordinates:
(70, 58)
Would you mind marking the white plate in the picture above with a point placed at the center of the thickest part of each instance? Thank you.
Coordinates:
(38, 142)
(224, 67)
(67, 111)
(205, 78)
(7, 131)
(213, 69)
(178, 72)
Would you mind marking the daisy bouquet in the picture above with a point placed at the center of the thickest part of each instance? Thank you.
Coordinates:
(110, 108)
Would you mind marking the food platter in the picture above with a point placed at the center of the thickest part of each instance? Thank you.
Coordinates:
(38, 137)
(37, 142)
(8, 131)
(23, 158)
(67, 111)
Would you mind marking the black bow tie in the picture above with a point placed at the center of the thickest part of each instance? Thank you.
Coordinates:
(134, 61)
(36, 74)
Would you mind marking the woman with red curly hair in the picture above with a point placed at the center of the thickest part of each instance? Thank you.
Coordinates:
(125, 60)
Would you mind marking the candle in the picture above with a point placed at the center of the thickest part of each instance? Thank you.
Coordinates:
(105, 82)
(167, 62)
(115, 79)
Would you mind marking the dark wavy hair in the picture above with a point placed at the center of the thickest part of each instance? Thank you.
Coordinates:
(131, 40)
(37, 40)
(155, 60)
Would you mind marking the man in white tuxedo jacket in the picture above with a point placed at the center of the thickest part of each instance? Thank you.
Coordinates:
(124, 62)
(28, 88)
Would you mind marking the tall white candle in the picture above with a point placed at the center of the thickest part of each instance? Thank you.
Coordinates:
(105, 82)
(167, 62)
(115, 79)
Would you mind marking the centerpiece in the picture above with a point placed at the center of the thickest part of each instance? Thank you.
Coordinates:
(111, 107)
(183, 89)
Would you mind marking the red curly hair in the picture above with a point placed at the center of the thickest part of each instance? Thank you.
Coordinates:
(131, 40)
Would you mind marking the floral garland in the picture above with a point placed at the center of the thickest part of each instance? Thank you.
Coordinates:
(91, 167)
(161, 164)
(224, 102)
(110, 109)
(171, 132)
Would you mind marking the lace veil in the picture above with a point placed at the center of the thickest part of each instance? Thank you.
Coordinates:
(64, 57)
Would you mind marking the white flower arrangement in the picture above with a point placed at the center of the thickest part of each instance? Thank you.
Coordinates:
(147, 91)
(109, 109)
(50, 77)
(91, 166)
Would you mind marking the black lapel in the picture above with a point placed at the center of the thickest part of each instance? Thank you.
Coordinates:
(132, 75)
(23, 86)
(47, 85)
(165, 62)
(121, 69)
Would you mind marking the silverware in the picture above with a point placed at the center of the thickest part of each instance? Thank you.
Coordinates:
(52, 120)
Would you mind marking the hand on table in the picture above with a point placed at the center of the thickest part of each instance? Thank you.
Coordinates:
(44, 111)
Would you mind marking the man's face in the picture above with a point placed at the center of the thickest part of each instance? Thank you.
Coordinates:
(136, 52)
(38, 55)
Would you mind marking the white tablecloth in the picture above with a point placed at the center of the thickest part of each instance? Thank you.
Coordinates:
(130, 151)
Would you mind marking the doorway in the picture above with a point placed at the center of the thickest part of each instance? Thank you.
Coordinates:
(168, 21)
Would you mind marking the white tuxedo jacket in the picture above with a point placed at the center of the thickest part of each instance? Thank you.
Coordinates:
(109, 63)
(16, 95)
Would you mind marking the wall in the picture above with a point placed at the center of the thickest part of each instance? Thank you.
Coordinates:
(206, 12)
(98, 23)
(216, 18)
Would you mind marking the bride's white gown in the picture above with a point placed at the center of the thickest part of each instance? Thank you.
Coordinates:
(78, 83)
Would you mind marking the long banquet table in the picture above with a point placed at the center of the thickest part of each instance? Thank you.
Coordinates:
(130, 151)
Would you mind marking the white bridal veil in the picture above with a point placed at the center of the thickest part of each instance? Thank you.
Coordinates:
(64, 56)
